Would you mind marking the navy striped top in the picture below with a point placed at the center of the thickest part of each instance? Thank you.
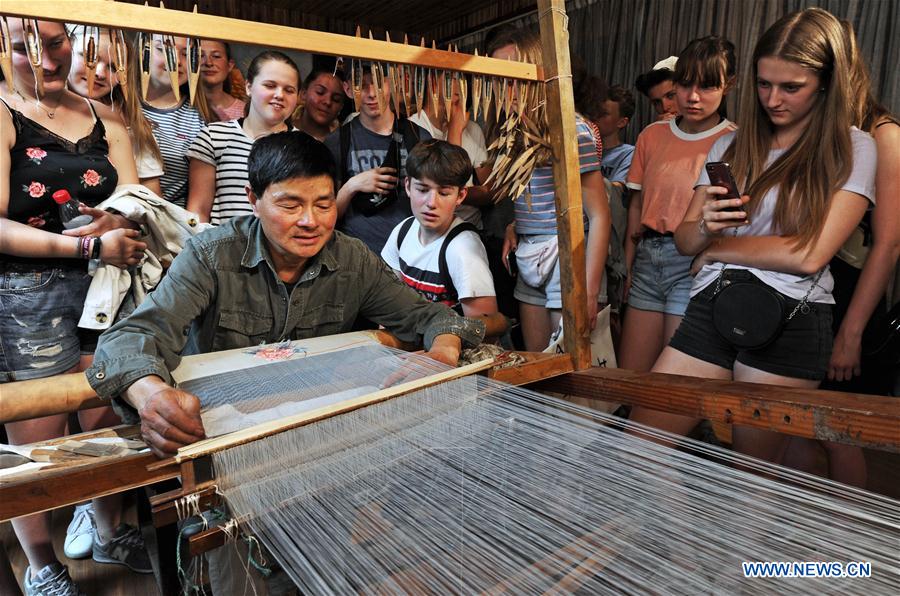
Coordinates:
(174, 130)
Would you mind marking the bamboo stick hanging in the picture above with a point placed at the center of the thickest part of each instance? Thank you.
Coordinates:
(146, 49)
(35, 50)
(120, 54)
(193, 65)
(6, 53)
(170, 51)
(420, 87)
(89, 45)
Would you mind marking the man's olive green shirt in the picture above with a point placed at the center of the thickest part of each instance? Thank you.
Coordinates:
(222, 292)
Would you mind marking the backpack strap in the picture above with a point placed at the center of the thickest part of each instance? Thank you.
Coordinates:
(343, 153)
(442, 256)
(410, 134)
(404, 230)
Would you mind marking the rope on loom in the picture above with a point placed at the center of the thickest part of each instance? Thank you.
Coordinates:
(188, 587)
(230, 528)
(232, 532)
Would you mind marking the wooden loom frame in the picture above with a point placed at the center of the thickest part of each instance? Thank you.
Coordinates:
(861, 420)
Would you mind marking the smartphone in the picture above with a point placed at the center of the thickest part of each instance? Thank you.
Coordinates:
(511, 265)
(720, 175)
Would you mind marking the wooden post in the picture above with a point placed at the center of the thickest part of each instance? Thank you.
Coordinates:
(567, 178)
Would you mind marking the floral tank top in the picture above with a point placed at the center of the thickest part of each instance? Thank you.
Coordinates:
(42, 163)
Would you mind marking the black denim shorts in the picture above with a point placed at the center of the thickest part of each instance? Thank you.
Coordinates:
(802, 351)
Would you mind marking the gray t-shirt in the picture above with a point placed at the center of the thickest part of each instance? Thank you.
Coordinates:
(368, 150)
(861, 181)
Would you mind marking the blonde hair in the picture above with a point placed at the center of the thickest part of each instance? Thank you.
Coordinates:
(820, 161)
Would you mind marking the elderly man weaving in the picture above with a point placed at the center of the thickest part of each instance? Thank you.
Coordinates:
(280, 274)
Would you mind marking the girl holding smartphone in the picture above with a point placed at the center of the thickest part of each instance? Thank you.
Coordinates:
(667, 159)
(807, 178)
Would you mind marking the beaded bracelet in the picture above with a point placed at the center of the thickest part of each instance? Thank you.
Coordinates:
(85, 247)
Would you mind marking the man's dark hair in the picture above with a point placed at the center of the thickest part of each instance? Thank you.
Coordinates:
(650, 79)
(286, 155)
(440, 162)
(624, 98)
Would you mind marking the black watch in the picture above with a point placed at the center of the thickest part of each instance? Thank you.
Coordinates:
(95, 250)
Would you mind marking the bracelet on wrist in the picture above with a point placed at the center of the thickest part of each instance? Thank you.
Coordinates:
(95, 249)
(85, 251)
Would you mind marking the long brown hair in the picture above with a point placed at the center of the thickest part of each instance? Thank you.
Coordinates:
(867, 112)
(820, 161)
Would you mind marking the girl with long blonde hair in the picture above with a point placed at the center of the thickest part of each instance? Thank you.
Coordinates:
(806, 179)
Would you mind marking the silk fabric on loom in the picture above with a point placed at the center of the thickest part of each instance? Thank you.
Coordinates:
(475, 486)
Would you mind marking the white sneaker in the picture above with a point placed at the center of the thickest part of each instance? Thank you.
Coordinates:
(52, 580)
(80, 533)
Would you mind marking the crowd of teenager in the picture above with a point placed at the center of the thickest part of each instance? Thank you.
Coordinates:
(776, 283)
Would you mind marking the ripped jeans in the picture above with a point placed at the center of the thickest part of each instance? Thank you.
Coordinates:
(39, 313)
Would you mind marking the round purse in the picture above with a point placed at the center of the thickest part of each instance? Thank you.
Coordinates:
(748, 315)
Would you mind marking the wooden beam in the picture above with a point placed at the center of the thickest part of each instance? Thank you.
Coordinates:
(67, 486)
(567, 179)
(120, 15)
(537, 366)
(864, 420)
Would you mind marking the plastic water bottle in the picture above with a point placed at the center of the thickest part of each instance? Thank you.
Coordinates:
(68, 211)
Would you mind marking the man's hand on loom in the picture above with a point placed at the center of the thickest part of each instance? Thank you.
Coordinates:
(170, 418)
(445, 348)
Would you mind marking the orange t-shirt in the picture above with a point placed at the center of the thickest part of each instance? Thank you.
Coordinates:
(665, 168)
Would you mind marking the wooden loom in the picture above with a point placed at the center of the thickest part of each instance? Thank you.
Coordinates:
(856, 419)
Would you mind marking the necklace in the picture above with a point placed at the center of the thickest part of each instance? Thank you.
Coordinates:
(50, 113)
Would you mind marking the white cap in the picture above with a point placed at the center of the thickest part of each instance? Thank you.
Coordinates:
(667, 64)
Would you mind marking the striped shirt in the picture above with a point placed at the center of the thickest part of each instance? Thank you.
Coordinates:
(536, 208)
(225, 146)
(174, 130)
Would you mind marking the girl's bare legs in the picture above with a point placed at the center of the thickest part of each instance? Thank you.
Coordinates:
(536, 327)
(673, 362)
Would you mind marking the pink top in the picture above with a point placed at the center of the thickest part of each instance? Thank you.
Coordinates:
(665, 167)
(232, 112)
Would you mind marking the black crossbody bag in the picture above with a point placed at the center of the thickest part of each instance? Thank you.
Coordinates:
(751, 315)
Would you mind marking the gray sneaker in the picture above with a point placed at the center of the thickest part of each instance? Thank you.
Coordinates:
(125, 548)
(52, 580)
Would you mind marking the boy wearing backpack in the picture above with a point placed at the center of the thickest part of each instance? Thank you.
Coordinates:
(435, 252)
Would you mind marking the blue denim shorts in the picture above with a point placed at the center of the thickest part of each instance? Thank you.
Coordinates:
(39, 313)
(660, 277)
